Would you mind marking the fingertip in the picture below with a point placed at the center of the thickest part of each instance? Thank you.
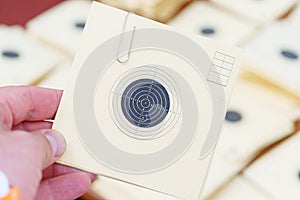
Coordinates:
(85, 179)
(57, 142)
(82, 182)
(69, 186)
(92, 176)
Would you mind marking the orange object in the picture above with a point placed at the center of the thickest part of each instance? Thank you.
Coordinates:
(13, 194)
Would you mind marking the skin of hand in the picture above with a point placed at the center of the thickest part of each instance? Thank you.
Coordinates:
(29, 147)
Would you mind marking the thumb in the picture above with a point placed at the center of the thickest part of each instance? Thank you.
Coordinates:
(51, 145)
(26, 154)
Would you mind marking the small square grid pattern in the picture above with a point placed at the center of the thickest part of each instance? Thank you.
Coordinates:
(221, 68)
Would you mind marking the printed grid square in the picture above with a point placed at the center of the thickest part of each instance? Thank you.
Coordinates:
(212, 76)
(229, 59)
(219, 56)
(225, 72)
(227, 66)
(216, 69)
(218, 62)
(223, 80)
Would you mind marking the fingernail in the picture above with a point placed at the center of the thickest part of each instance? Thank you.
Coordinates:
(57, 142)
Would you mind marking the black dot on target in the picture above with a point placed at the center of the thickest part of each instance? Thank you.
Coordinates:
(233, 116)
(80, 25)
(289, 54)
(10, 54)
(143, 107)
(207, 31)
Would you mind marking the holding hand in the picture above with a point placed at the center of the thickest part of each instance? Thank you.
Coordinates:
(29, 148)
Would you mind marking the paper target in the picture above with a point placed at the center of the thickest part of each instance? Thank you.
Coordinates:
(131, 110)
(145, 101)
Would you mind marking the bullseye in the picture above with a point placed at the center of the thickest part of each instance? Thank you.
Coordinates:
(145, 103)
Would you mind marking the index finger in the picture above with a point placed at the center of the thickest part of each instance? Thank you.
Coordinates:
(18, 104)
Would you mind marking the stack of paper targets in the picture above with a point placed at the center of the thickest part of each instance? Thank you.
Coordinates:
(159, 10)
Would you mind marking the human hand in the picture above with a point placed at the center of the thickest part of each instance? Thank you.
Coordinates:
(29, 147)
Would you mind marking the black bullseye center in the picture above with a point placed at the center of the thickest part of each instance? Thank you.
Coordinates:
(146, 103)
(138, 100)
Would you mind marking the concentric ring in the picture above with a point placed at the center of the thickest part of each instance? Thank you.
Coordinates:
(145, 103)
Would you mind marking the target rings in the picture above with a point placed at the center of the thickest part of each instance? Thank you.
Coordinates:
(145, 103)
